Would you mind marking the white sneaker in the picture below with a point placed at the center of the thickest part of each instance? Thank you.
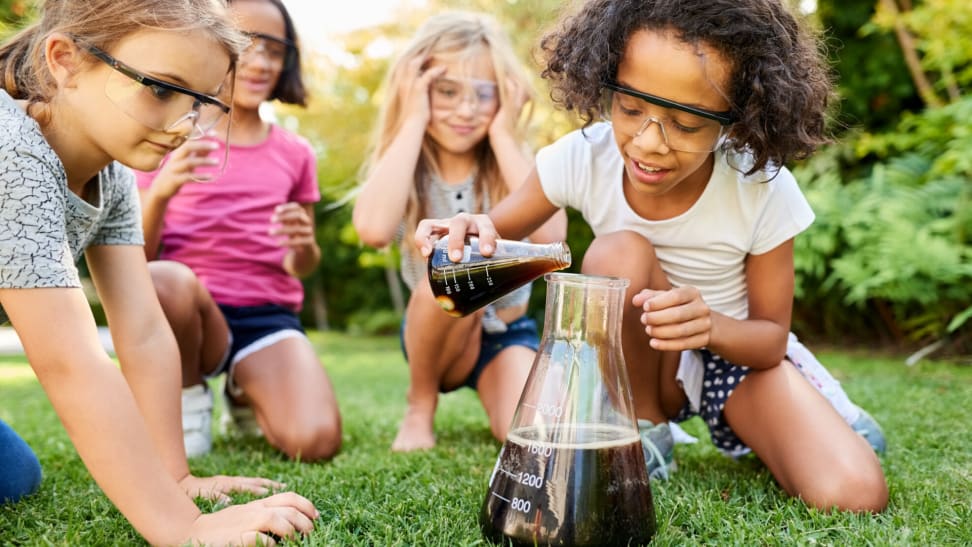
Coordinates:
(238, 419)
(197, 419)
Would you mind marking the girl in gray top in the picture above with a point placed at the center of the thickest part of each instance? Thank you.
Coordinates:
(84, 96)
(448, 140)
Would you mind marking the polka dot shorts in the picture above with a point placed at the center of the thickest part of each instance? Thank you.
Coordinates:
(719, 379)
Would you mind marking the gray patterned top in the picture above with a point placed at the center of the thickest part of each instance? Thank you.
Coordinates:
(446, 200)
(44, 227)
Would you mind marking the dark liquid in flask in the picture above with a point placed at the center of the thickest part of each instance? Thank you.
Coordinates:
(465, 287)
(591, 491)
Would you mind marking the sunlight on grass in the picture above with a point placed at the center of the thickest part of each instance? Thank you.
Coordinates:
(368, 495)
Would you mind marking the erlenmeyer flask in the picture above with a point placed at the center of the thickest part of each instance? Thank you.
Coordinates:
(572, 470)
(465, 286)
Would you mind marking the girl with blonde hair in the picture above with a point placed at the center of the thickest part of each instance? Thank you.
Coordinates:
(96, 87)
(451, 138)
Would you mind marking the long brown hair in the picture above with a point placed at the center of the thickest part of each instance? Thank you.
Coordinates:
(454, 34)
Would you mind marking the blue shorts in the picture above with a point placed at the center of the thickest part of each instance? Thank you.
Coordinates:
(522, 332)
(719, 379)
(251, 329)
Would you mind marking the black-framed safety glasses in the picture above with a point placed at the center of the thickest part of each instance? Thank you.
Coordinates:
(160, 105)
(685, 128)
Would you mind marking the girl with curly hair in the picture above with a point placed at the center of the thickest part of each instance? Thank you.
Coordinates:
(703, 102)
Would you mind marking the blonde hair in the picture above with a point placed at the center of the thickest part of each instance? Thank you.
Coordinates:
(453, 34)
(103, 23)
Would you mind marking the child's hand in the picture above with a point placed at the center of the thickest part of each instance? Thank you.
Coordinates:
(457, 227)
(256, 523)
(180, 167)
(217, 487)
(291, 224)
(415, 89)
(676, 319)
(504, 122)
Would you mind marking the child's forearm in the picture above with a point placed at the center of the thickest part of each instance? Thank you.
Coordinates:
(106, 427)
(382, 199)
(302, 262)
(755, 343)
(148, 369)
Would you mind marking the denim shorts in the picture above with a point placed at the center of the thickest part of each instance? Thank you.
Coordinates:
(251, 329)
(522, 332)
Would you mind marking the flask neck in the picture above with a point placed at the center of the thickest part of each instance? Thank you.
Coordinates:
(584, 308)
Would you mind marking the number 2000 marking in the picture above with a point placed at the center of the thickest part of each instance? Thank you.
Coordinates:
(547, 409)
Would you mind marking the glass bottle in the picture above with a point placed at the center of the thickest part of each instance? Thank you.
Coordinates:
(475, 281)
(572, 470)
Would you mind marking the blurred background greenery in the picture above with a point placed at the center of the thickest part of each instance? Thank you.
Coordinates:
(888, 263)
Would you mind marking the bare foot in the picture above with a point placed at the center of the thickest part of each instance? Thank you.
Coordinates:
(415, 433)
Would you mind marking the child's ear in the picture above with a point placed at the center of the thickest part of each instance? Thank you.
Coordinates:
(63, 57)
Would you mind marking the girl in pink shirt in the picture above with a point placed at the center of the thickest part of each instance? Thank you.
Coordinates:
(229, 244)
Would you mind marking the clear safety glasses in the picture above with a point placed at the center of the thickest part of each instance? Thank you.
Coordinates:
(280, 54)
(159, 105)
(684, 128)
(450, 94)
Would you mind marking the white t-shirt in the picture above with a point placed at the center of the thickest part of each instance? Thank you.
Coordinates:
(706, 246)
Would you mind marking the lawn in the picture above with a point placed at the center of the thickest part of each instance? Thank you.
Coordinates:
(370, 496)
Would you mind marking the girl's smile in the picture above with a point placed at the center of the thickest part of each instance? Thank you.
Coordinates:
(693, 76)
(460, 123)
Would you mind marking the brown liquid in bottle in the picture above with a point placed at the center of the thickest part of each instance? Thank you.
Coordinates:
(463, 287)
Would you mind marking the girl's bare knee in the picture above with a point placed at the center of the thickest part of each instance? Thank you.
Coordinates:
(602, 256)
(848, 489)
(320, 441)
(173, 281)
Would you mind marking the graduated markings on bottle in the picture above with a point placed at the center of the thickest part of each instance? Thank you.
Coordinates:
(545, 449)
(456, 285)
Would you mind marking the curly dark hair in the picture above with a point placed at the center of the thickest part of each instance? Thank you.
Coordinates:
(781, 85)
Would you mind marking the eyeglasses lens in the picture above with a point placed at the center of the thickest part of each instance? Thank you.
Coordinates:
(449, 94)
(159, 108)
(277, 54)
(682, 131)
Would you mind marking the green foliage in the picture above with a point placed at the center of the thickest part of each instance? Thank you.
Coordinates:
(899, 237)
(14, 14)
(374, 322)
(873, 82)
(941, 29)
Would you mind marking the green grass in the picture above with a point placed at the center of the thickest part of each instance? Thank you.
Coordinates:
(370, 496)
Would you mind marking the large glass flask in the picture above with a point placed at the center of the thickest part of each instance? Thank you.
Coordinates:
(572, 470)
(465, 286)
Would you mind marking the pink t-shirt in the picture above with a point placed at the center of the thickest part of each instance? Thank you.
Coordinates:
(220, 229)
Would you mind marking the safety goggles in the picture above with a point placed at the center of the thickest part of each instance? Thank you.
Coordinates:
(684, 128)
